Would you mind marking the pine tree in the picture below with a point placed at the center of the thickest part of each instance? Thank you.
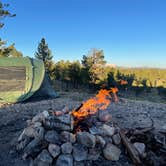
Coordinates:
(4, 13)
(44, 53)
(94, 65)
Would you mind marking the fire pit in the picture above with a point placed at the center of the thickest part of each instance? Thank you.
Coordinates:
(85, 135)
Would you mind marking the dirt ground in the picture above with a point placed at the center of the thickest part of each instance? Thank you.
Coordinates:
(127, 113)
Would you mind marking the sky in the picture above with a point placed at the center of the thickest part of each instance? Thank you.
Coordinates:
(132, 33)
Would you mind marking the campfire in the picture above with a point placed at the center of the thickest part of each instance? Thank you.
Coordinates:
(90, 107)
(81, 136)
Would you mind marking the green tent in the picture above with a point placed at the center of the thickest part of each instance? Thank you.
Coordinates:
(20, 78)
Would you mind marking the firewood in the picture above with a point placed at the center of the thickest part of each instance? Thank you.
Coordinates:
(130, 148)
(142, 131)
(162, 131)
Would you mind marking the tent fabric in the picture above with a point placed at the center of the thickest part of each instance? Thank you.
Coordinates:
(12, 78)
(20, 78)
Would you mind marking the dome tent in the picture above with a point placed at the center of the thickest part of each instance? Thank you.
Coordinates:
(21, 78)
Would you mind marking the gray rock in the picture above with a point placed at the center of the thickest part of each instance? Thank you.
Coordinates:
(37, 124)
(79, 163)
(31, 161)
(140, 147)
(164, 127)
(33, 132)
(100, 140)
(39, 133)
(45, 114)
(116, 139)
(40, 117)
(29, 131)
(34, 124)
(53, 125)
(104, 116)
(80, 152)
(43, 159)
(52, 137)
(54, 150)
(108, 139)
(61, 122)
(111, 152)
(93, 154)
(95, 130)
(67, 148)
(64, 160)
(107, 130)
(66, 136)
(86, 139)
(21, 144)
(65, 118)
(34, 147)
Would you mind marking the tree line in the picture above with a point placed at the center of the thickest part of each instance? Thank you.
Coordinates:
(94, 72)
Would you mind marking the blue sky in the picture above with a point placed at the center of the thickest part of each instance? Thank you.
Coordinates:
(131, 32)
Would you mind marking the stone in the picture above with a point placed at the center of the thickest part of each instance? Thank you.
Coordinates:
(140, 147)
(33, 132)
(67, 148)
(95, 130)
(58, 126)
(37, 124)
(23, 143)
(34, 147)
(39, 133)
(104, 116)
(22, 136)
(31, 161)
(107, 130)
(66, 136)
(100, 140)
(65, 118)
(111, 152)
(80, 152)
(164, 127)
(64, 160)
(108, 139)
(93, 154)
(79, 163)
(52, 137)
(61, 122)
(86, 139)
(44, 159)
(116, 139)
(45, 114)
(29, 131)
(54, 150)
(40, 117)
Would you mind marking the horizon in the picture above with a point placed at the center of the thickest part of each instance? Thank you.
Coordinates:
(131, 34)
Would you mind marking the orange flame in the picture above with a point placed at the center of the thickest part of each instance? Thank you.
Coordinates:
(99, 102)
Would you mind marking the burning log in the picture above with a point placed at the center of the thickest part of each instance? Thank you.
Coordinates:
(100, 102)
(92, 106)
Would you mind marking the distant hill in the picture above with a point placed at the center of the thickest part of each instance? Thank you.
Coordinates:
(154, 76)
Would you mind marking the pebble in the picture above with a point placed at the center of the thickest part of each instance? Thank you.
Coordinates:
(86, 139)
(54, 150)
(67, 148)
(111, 152)
(64, 160)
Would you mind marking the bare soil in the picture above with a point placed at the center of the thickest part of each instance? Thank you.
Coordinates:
(127, 113)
